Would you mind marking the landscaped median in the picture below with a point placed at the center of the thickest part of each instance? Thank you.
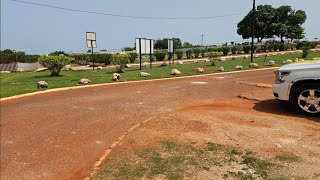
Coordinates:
(25, 82)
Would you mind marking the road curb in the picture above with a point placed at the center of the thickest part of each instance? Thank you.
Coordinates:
(114, 145)
(127, 82)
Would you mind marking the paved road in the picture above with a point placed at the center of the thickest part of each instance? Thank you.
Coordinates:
(60, 135)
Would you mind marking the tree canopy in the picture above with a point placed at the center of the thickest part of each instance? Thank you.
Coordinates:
(283, 22)
(163, 43)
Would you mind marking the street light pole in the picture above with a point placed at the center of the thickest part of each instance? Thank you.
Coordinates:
(253, 28)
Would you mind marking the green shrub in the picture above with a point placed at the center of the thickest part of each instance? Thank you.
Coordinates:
(305, 51)
(179, 54)
(196, 52)
(293, 46)
(219, 50)
(276, 46)
(225, 50)
(120, 60)
(53, 63)
(270, 47)
(300, 45)
(234, 49)
(213, 57)
(102, 58)
(204, 52)
(211, 49)
(246, 49)
(189, 53)
(160, 55)
(132, 56)
(282, 47)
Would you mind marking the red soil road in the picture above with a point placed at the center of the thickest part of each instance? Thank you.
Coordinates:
(60, 135)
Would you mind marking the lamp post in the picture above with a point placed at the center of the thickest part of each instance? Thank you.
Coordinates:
(253, 24)
(91, 43)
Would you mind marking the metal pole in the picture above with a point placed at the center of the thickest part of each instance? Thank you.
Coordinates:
(92, 55)
(201, 40)
(140, 52)
(172, 53)
(253, 24)
(150, 54)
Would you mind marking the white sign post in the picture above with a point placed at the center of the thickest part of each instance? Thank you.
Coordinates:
(171, 50)
(144, 46)
(91, 43)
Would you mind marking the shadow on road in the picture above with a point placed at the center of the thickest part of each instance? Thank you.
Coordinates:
(273, 106)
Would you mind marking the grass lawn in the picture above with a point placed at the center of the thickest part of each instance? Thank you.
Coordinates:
(25, 82)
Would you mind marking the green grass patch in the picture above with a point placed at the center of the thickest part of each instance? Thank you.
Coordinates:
(25, 82)
(288, 158)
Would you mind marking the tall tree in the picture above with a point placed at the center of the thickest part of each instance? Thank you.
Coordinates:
(264, 17)
(163, 43)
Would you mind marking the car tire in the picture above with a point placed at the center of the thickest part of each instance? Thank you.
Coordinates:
(305, 99)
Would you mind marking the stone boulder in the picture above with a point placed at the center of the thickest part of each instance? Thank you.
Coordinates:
(144, 74)
(221, 69)
(253, 65)
(256, 56)
(288, 61)
(42, 85)
(195, 61)
(175, 72)
(5, 72)
(99, 68)
(66, 68)
(246, 57)
(19, 70)
(84, 81)
(127, 66)
(274, 54)
(163, 64)
(296, 60)
(222, 59)
(200, 70)
(271, 63)
(316, 58)
(179, 62)
(145, 64)
(41, 69)
(235, 58)
(238, 67)
(116, 76)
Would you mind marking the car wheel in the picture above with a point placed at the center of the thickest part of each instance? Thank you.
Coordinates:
(306, 99)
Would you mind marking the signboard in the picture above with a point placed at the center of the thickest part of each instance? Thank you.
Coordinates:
(145, 46)
(170, 45)
(149, 46)
(91, 45)
(91, 39)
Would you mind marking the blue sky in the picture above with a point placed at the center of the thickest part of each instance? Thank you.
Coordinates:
(42, 30)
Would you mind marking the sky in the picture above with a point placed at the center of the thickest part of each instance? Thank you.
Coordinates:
(41, 30)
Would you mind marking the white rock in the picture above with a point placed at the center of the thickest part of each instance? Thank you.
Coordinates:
(246, 57)
(296, 60)
(271, 63)
(254, 65)
(19, 70)
(5, 72)
(175, 72)
(316, 58)
(41, 69)
(301, 60)
(288, 61)
(66, 68)
(312, 50)
(195, 61)
(221, 69)
(145, 64)
(200, 70)
(239, 67)
(116, 76)
(127, 66)
(179, 62)
(84, 81)
(208, 60)
(42, 85)
(99, 68)
(256, 56)
(222, 59)
(144, 74)
(163, 64)
(274, 54)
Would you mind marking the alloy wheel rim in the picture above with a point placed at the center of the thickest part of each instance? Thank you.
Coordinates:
(309, 101)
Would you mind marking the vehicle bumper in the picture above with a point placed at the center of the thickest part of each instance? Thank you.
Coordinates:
(280, 91)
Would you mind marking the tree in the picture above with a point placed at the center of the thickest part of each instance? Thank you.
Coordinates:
(58, 53)
(287, 23)
(53, 63)
(187, 45)
(263, 21)
(120, 60)
(163, 43)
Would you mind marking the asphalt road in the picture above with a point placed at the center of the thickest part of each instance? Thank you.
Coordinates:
(60, 135)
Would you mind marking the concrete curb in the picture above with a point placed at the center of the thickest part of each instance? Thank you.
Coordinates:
(97, 164)
(127, 82)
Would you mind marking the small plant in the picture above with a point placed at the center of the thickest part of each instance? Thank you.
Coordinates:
(179, 54)
(234, 49)
(204, 52)
(213, 57)
(276, 46)
(305, 51)
(132, 56)
(225, 50)
(196, 52)
(246, 49)
(120, 60)
(282, 47)
(53, 63)
(160, 55)
(189, 53)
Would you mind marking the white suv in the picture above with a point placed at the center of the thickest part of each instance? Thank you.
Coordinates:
(299, 84)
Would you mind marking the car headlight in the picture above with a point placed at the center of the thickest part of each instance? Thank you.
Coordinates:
(280, 75)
